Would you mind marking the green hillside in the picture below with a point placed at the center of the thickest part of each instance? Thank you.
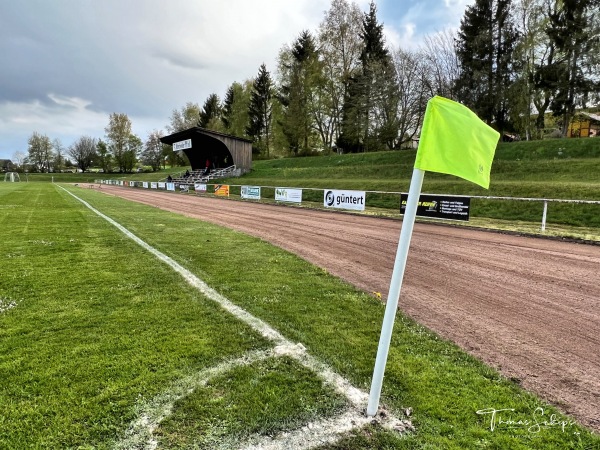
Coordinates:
(557, 169)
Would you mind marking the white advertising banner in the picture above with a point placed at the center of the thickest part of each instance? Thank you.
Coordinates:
(354, 200)
(288, 195)
(251, 192)
(153, 185)
(182, 145)
(145, 185)
(162, 185)
(199, 187)
(170, 186)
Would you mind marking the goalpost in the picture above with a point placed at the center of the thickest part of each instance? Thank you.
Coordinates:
(11, 177)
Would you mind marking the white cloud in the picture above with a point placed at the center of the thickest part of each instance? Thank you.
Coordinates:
(74, 63)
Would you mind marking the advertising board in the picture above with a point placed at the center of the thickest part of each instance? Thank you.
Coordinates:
(251, 192)
(440, 207)
(354, 200)
(288, 195)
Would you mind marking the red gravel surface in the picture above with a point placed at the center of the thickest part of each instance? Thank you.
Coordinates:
(529, 307)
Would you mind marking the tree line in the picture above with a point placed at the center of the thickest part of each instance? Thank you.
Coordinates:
(341, 88)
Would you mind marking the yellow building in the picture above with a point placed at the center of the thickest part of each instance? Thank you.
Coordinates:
(584, 125)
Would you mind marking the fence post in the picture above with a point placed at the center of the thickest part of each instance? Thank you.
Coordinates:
(544, 215)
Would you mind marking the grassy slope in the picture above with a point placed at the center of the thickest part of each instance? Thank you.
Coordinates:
(83, 347)
(567, 169)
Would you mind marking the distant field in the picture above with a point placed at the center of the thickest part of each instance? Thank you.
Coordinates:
(555, 169)
(98, 338)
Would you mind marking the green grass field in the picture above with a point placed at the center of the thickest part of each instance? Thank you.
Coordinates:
(96, 333)
(554, 169)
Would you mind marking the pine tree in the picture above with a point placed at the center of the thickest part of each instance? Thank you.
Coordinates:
(485, 46)
(575, 31)
(228, 107)
(260, 110)
(299, 82)
(369, 121)
(211, 112)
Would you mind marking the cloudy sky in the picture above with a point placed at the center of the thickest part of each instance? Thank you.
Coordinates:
(68, 64)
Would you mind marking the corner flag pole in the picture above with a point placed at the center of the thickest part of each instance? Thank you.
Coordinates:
(395, 286)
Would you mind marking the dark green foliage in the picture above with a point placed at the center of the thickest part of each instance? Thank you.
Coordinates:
(228, 107)
(369, 115)
(260, 111)
(211, 111)
(296, 93)
(485, 46)
(574, 30)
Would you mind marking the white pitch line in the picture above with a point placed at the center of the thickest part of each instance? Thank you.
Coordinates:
(151, 413)
(357, 397)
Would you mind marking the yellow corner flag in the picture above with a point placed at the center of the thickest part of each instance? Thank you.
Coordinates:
(457, 142)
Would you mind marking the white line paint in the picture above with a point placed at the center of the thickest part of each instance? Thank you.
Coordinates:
(151, 413)
(140, 433)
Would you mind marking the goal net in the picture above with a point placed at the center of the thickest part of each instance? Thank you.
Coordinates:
(11, 176)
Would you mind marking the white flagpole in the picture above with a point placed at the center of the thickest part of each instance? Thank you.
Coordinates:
(395, 286)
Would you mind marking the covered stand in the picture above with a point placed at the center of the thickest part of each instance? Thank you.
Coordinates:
(222, 150)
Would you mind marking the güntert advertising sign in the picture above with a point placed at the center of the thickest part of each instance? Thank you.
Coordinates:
(354, 200)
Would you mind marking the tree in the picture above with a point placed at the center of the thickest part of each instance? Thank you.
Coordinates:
(118, 132)
(210, 115)
(260, 111)
(184, 119)
(340, 47)
(153, 154)
(412, 96)
(299, 69)
(58, 154)
(485, 46)
(440, 64)
(103, 156)
(235, 109)
(83, 152)
(18, 158)
(131, 155)
(39, 152)
(368, 120)
(574, 29)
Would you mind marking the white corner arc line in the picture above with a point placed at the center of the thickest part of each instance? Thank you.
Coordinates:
(357, 397)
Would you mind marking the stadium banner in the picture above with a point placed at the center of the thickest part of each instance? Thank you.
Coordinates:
(153, 185)
(145, 185)
(170, 186)
(199, 187)
(251, 192)
(354, 200)
(440, 207)
(162, 185)
(184, 188)
(120, 182)
(182, 145)
(222, 190)
(288, 195)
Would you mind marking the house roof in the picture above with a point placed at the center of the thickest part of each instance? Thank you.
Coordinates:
(592, 116)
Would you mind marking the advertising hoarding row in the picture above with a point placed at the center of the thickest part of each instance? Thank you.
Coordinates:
(445, 207)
